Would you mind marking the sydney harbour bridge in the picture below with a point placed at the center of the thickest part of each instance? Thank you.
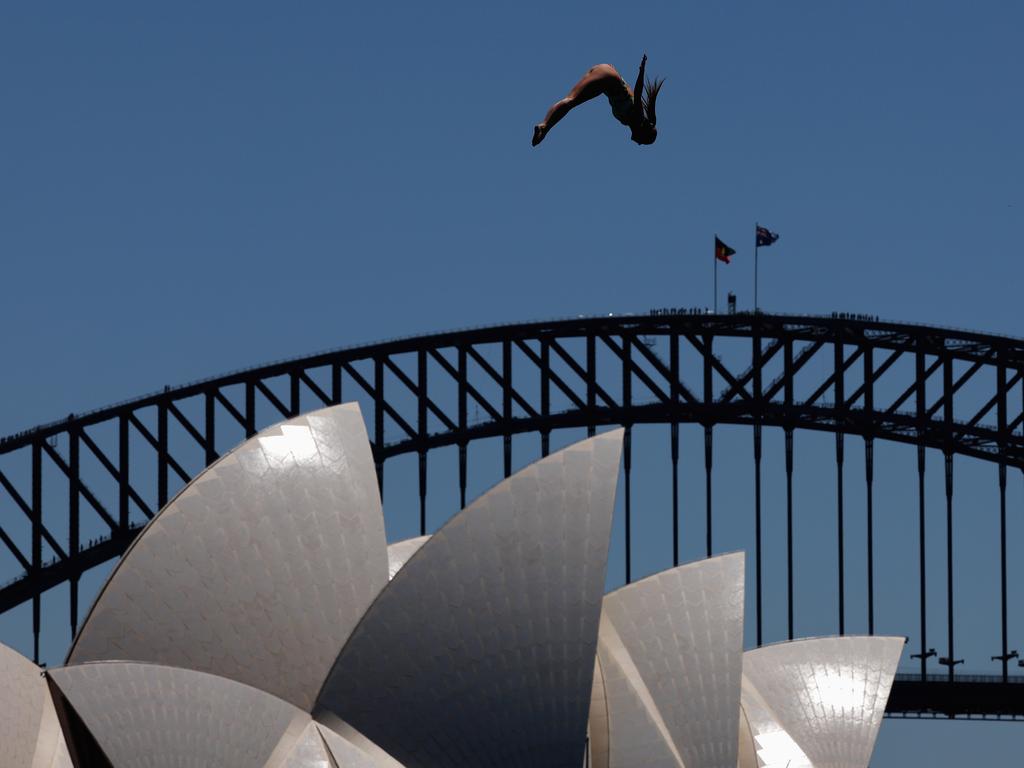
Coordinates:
(74, 493)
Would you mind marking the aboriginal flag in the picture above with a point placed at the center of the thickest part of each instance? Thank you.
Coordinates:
(722, 251)
(765, 237)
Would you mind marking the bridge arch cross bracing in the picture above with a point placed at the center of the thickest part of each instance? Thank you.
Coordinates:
(951, 391)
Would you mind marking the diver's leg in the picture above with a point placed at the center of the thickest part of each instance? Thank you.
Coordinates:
(558, 110)
(592, 84)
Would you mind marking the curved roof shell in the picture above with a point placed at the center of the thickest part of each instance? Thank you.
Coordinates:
(635, 733)
(308, 752)
(763, 734)
(400, 552)
(828, 694)
(747, 757)
(319, 747)
(23, 698)
(671, 650)
(597, 720)
(260, 568)
(30, 735)
(156, 716)
(480, 651)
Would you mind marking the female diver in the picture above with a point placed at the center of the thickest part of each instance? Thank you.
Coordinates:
(633, 108)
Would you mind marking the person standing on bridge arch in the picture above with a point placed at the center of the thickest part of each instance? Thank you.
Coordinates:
(634, 108)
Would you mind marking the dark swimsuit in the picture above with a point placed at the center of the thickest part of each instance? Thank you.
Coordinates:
(621, 101)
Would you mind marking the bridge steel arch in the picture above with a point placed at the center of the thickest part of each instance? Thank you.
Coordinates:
(841, 374)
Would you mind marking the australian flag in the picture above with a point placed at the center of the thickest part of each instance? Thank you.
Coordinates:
(765, 237)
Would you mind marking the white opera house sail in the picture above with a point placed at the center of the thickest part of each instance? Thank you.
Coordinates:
(261, 619)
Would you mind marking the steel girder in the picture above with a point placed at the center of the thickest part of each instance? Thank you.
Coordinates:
(953, 391)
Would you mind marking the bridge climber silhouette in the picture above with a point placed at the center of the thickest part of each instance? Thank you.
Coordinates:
(75, 493)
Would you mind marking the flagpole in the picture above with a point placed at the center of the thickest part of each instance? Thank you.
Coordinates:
(715, 257)
(755, 267)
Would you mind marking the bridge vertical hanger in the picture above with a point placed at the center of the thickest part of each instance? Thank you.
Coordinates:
(1007, 654)
(421, 425)
(209, 427)
(335, 383)
(463, 443)
(919, 375)
(1001, 418)
(788, 409)
(789, 531)
(627, 453)
(627, 449)
(591, 384)
(506, 402)
(674, 389)
(123, 480)
(708, 401)
(950, 659)
(869, 476)
(707, 483)
(756, 352)
(674, 457)
(250, 408)
(74, 490)
(37, 537)
(840, 529)
(839, 373)
(947, 413)
(294, 395)
(378, 422)
(161, 458)
(545, 395)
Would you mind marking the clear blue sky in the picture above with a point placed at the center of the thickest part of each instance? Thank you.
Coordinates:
(196, 187)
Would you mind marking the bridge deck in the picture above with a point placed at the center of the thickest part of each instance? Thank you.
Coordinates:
(981, 697)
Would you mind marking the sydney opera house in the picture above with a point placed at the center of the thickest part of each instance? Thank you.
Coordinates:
(261, 619)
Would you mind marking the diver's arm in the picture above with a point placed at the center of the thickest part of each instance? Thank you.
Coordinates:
(638, 89)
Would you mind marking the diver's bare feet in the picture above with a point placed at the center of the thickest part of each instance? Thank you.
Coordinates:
(539, 131)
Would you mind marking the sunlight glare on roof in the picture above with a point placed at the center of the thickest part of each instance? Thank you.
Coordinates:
(293, 441)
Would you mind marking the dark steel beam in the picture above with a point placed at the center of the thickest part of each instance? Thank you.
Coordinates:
(60, 571)
(313, 387)
(975, 696)
(544, 364)
(74, 486)
(838, 377)
(210, 428)
(273, 399)
(164, 459)
(463, 424)
(500, 379)
(507, 395)
(71, 473)
(674, 379)
(419, 392)
(421, 422)
(869, 478)
(896, 336)
(30, 514)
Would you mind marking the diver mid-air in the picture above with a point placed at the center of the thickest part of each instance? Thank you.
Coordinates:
(634, 107)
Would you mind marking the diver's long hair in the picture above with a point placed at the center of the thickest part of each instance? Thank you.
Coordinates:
(650, 98)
